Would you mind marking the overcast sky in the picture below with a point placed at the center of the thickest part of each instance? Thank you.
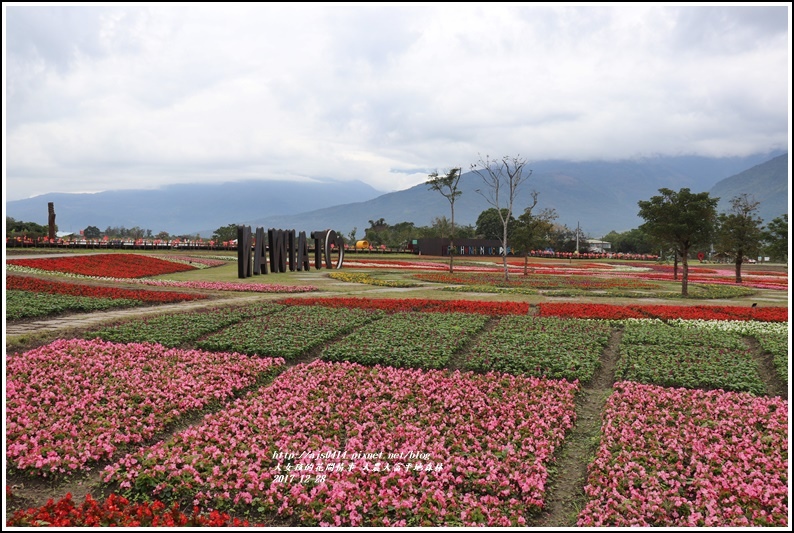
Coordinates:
(125, 96)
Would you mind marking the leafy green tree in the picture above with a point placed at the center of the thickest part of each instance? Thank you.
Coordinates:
(682, 220)
(532, 230)
(32, 230)
(489, 224)
(440, 227)
(563, 239)
(634, 241)
(502, 179)
(375, 233)
(776, 238)
(399, 235)
(739, 232)
(225, 233)
(448, 187)
(92, 232)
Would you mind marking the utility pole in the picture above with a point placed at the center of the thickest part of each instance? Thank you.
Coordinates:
(577, 237)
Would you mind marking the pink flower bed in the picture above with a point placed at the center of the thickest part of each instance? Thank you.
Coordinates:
(689, 458)
(75, 401)
(468, 449)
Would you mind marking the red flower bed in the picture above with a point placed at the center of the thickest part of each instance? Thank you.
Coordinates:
(485, 308)
(580, 310)
(23, 283)
(106, 265)
(664, 312)
(703, 312)
(417, 304)
(117, 511)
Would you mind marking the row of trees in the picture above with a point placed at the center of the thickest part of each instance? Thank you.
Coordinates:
(684, 221)
(526, 229)
(121, 232)
(680, 221)
(31, 230)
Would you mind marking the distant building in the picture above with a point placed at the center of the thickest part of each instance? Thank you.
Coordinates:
(438, 246)
(598, 247)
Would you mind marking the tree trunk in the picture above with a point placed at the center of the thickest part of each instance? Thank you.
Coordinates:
(504, 248)
(685, 274)
(739, 267)
(675, 265)
(452, 239)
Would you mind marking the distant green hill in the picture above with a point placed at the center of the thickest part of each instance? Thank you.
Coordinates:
(768, 183)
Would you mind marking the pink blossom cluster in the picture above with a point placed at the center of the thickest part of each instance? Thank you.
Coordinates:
(75, 401)
(487, 440)
(681, 458)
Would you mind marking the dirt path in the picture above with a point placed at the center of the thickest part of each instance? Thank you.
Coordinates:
(766, 369)
(566, 490)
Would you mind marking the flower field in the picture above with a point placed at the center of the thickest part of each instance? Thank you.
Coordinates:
(421, 448)
(663, 312)
(391, 305)
(118, 511)
(543, 347)
(367, 279)
(288, 334)
(353, 411)
(176, 329)
(408, 340)
(653, 352)
(116, 265)
(21, 304)
(33, 285)
(684, 458)
(74, 402)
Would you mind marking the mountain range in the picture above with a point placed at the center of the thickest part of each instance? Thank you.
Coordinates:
(599, 196)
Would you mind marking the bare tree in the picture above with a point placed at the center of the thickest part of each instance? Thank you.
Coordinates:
(448, 187)
(502, 179)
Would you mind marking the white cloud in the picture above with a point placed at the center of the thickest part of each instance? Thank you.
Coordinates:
(135, 96)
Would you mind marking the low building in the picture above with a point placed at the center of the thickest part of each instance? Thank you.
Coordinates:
(598, 247)
(467, 247)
